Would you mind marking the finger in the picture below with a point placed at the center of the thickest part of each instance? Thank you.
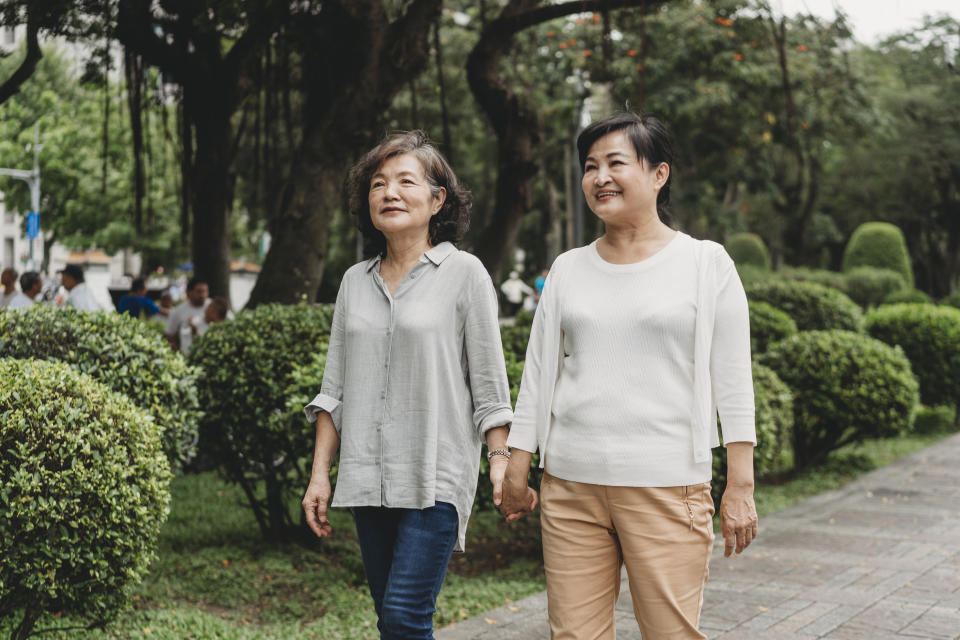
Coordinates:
(729, 544)
(513, 517)
(533, 499)
(497, 492)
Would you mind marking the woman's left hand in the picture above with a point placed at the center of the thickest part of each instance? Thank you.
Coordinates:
(738, 518)
(498, 467)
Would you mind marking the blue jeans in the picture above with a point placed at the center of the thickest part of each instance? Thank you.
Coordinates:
(405, 556)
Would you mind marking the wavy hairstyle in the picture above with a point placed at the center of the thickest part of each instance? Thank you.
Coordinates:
(448, 225)
(651, 139)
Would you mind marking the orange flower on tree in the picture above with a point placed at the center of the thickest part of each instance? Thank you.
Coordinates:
(631, 52)
(550, 34)
(801, 47)
(726, 22)
(738, 56)
(595, 18)
(563, 45)
(587, 53)
(572, 43)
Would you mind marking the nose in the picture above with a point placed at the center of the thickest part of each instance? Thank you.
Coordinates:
(601, 177)
(390, 191)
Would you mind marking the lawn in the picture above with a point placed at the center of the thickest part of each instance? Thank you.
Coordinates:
(215, 579)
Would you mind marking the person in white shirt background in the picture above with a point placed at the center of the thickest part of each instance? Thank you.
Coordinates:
(79, 294)
(639, 339)
(30, 286)
(515, 290)
(178, 329)
(8, 279)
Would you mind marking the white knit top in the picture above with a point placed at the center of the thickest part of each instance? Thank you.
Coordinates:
(631, 360)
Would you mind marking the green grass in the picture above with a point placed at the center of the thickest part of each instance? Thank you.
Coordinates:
(215, 579)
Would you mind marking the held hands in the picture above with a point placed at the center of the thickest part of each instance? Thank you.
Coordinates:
(738, 518)
(516, 498)
(315, 503)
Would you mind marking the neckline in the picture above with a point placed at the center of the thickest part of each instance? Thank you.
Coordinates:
(641, 265)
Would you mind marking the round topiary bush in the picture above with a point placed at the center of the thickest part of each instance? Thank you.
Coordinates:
(768, 324)
(812, 306)
(846, 387)
(869, 286)
(907, 295)
(750, 274)
(930, 336)
(748, 248)
(774, 424)
(881, 245)
(122, 353)
(245, 375)
(827, 278)
(84, 489)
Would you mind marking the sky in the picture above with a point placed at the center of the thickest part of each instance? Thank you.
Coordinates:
(873, 19)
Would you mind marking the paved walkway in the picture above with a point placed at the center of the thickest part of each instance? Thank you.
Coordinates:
(878, 559)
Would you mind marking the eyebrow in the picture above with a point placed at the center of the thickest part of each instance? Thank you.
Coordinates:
(380, 174)
(609, 155)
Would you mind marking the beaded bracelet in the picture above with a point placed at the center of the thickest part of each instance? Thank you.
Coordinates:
(498, 452)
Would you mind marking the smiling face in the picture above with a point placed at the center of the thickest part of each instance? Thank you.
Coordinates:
(401, 201)
(619, 187)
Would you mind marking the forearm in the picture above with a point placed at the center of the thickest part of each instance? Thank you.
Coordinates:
(327, 443)
(740, 464)
(496, 437)
(519, 466)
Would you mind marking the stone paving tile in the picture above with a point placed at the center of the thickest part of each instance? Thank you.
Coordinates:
(876, 560)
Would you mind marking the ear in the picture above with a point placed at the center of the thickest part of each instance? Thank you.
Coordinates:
(663, 173)
(438, 201)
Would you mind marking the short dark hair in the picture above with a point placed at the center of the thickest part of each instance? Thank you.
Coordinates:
(651, 139)
(138, 284)
(448, 225)
(28, 280)
(193, 282)
(220, 306)
(75, 271)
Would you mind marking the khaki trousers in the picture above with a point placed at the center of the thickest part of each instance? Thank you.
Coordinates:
(664, 535)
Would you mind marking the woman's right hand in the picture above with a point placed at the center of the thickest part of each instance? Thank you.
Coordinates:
(315, 503)
(518, 498)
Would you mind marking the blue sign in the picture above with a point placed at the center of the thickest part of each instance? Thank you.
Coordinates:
(33, 224)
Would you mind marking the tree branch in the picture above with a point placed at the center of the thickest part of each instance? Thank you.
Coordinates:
(12, 85)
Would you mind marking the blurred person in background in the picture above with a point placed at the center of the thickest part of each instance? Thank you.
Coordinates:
(79, 295)
(30, 286)
(178, 329)
(136, 304)
(8, 279)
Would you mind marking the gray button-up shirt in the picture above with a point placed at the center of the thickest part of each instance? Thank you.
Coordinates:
(413, 381)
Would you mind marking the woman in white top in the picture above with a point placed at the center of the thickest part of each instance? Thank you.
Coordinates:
(639, 340)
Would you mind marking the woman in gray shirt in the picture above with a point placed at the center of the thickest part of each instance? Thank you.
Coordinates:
(414, 381)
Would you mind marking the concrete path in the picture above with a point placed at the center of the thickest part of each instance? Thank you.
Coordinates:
(878, 559)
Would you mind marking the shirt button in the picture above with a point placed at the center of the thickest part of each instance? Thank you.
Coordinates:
(383, 395)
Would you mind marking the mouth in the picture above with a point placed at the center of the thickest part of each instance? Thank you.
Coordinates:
(391, 210)
(603, 196)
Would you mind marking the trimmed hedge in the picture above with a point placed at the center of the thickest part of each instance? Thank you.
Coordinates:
(869, 286)
(123, 353)
(245, 374)
(773, 455)
(767, 325)
(515, 340)
(748, 248)
(935, 419)
(846, 387)
(84, 489)
(812, 306)
(930, 336)
(907, 295)
(827, 278)
(952, 300)
(881, 245)
(750, 274)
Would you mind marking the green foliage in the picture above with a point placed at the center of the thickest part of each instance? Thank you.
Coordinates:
(846, 387)
(952, 300)
(515, 340)
(767, 325)
(122, 353)
(774, 424)
(748, 248)
(750, 274)
(938, 419)
(245, 374)
(870, 286)
(84, 489)
(880, 245)
(523, 319)
(825, 277)
(930, 336)
(907, 295)
(812, 306)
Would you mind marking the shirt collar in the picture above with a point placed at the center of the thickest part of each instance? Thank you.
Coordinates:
(436, 255)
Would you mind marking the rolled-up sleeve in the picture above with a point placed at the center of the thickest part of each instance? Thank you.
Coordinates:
(485, 365)
(330, 398)
(731, 370)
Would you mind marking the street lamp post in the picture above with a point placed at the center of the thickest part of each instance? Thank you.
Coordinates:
(32, 178)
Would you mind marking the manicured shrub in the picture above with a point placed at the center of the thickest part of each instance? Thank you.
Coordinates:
(846, 387)
(523, 319)
(84, 491)
(774, 424)
(245, 369)
(907, 295)
(827, 278)
(930, 336)
(515, 340)
(768, 324)
(748, 248)
(123, 353)
(881, 245)
(869, 286)
(936, 419)
(952, 300)
(812, 306)
(750, 274)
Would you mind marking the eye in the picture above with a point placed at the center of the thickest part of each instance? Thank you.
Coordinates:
(616, 162)
(589, 167)
(376, 183)
(407, 181)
